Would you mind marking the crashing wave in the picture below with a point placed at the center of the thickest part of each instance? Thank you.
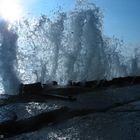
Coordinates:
(70, 47)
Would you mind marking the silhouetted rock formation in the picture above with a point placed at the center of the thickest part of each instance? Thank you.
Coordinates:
(75, 87)
(35, 88)
(54, 83)
(121, 81)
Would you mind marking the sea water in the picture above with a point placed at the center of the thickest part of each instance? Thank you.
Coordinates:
(71, 46)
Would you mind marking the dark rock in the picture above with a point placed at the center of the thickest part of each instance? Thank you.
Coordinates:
(35, 88)
(6, 115)
(54, 83)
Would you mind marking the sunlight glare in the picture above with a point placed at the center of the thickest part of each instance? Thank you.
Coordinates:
(10, 10)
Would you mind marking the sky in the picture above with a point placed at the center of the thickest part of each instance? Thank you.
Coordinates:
(121, 17)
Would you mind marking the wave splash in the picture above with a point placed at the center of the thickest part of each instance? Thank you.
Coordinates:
(8, 48)
(70, 47)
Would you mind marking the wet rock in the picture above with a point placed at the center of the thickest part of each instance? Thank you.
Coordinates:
(6, 115)
(34, 88)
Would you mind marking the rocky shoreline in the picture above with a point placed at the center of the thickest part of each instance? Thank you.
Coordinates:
(66, 103)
